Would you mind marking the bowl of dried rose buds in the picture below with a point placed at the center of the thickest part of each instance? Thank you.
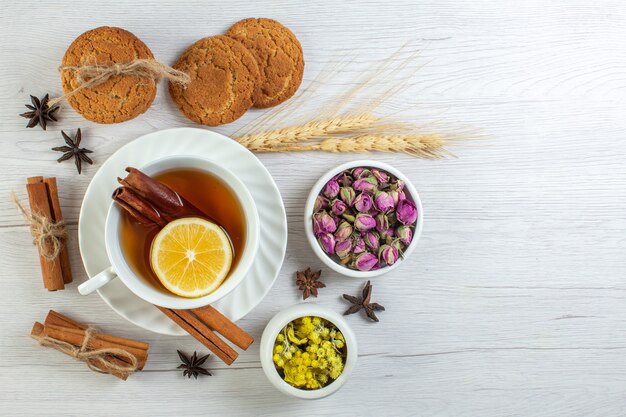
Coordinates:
(363, 218)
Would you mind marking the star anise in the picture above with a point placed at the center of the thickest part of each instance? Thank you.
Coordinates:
(363, 303)
(73, 149)
(308, 282)
(192, 366)
(40, 113)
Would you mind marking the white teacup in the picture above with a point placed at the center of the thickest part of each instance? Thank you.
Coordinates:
(121, 269)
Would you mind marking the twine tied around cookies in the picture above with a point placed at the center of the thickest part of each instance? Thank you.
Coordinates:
(48, 236)
(89, 76)
(104, 361)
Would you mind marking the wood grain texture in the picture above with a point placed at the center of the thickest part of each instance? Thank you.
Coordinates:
(513, 303)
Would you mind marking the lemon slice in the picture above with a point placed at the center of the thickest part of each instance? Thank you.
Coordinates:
(191, 256)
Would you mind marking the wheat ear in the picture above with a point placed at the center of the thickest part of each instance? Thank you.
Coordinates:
(430, 146)
(315, 129)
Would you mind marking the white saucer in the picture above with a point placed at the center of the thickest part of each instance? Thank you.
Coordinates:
(185, 141)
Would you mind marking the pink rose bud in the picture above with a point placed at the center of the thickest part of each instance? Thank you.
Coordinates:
(345, 180)
(404, 234)
(363, 202)
(338, 207)
(327, 242)
(343, 248)
(331, 189)
(388, 254)
(344, 231)
(365, 184)
(382, 223)
(383, 202)
(347, 195)
(365, 261)
(321, 203)
(381, 176)
(360, 172)
(358, 245)
(371, 240)
(406, 212)
(323, 223)
(364, 222)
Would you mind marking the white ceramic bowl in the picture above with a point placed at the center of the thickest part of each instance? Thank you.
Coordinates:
(160, 296)
(410, 192)
(279, 321)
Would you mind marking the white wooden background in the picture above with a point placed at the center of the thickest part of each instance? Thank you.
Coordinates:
(514, 302)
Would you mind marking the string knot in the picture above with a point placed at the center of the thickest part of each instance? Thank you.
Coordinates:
(90, 76)
(97, 360)
(48, 236)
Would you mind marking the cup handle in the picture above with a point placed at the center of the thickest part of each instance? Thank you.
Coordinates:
(97, 281)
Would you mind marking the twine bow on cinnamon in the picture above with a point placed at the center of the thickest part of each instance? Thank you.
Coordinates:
(104, 361)
(48, 236)
(89, 76)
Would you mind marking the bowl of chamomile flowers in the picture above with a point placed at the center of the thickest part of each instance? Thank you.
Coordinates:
(308, 351)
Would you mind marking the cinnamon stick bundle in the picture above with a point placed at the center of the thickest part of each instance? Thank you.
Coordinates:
(201, 323)
(151, 202)
(47, 227)
(102, 352)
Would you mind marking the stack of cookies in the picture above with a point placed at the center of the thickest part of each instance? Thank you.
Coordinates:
(259, 63)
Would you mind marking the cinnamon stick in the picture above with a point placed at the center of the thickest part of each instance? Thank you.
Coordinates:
(137, 207)
(151, 202)
(57, 215)
(38, 199)
(222, 325)
(99, 341)
(193, 326)
(59, 320)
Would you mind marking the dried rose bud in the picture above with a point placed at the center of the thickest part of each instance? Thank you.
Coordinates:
(343, 231)
(338, 207)
(360, 172)
(327, 242)
(363, 202)
(365, 184)
(347, 195)
(398, 186)
(371, 239)
(406, 212)
(404, 234)
(381, 176)
(323, 223)
(358, 245)
(388, 234)
(382, 223)
(388, 254)
(321, 203)
(364, 222)
(343, 248)
(383, 202)
(331, 189)
(397, 196)
(345, 180)
(365, 261)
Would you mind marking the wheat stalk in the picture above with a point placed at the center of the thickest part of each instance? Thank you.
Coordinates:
(429, 146)
(307, 131)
